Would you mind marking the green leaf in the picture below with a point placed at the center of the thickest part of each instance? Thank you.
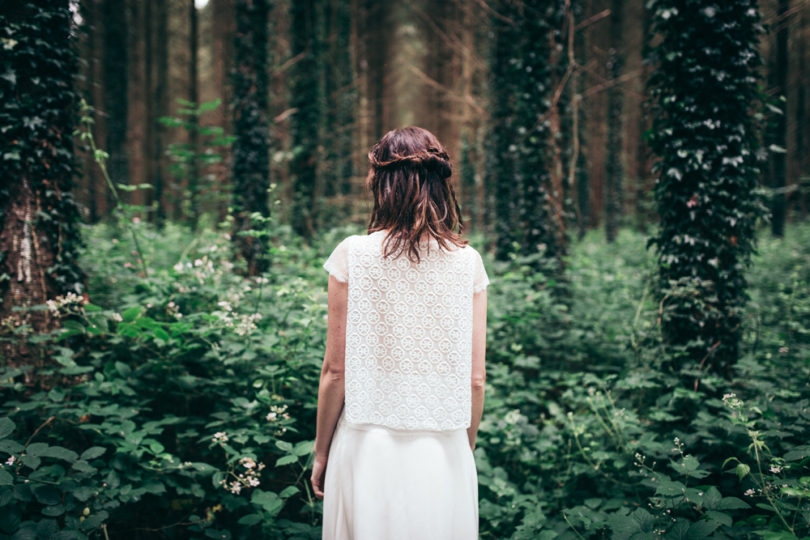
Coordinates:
(285, 446)
(93, 452)
(10, 446)
(83, 467)
(702, 529)
(742, 470)
(269, 501)
(6, 427)
(36, 449)
(732, 503)
(250, 519)
(720, 517)
(288, 491)
(286, 460)
(303, 448)
(5, 478)
(130, 314)
(59, 452)
(122, 369)
(161, 334)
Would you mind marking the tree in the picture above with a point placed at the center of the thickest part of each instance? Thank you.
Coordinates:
(194, 134)
(40, 237)
(525, 165)
(308, 103)
(706, 140)
(613, 166)
(251, 147)
(341, 91)
(777, 132)
(115, 88)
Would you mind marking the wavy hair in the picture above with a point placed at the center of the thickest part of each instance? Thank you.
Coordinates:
(413, 195)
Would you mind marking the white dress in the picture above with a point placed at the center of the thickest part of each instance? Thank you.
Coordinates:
(400, 465)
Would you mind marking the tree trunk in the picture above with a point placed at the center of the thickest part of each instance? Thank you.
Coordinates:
(251, 148)
(613, 164)
(778, 131)
(161, 98)
(115, 90)
(308, 103)
(39, 219)
(194, 139)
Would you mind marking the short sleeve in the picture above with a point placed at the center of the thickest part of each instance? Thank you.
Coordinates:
(481, 280)
(338, 262)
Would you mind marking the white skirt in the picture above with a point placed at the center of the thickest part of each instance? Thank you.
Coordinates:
(388, 484)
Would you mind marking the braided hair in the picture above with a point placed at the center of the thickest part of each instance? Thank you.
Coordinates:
(413, 195)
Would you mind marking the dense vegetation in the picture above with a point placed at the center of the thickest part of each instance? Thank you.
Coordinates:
(160, 371)
(182, 404)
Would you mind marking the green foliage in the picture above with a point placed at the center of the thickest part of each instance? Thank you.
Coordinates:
(197, 375)
(187, 158)
(705, 134)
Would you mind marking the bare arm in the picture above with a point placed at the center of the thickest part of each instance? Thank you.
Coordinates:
(479, 374)
(331, 389)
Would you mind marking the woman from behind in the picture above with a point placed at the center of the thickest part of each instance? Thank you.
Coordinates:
(402, 385)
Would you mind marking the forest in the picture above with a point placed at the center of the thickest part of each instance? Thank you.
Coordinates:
(635, 174)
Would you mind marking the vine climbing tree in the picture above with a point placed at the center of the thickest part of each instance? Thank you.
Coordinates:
(524, 161)
(40, 237)
(251, 167)
(706, 138)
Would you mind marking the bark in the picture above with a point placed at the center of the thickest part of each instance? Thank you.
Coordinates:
(778, 135)
(194, 97)
(613, 165)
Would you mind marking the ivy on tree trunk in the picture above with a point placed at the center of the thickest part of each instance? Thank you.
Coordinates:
(522, 163)
(251, 167)
(706, 138)
(40, 237)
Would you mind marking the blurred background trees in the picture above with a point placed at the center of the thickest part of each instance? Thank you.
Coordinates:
(342, 72)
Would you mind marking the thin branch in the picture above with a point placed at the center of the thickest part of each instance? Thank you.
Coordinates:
(466, 99)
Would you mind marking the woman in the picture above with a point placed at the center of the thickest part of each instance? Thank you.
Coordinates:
(402, 386)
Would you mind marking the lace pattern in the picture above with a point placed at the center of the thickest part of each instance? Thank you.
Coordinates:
(408, 334)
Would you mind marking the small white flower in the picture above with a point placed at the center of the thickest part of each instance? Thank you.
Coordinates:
(10, 461)
(220, 437)
(749, 492)
(776, 469)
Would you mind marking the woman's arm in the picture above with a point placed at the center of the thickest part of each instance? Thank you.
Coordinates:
(479, 373)
(331, 389)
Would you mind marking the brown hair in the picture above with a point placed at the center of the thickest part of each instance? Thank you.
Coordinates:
(410, 181)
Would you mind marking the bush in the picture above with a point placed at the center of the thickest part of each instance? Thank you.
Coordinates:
(182, 404)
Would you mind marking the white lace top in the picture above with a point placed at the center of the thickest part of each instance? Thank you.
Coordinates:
(408, 333)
